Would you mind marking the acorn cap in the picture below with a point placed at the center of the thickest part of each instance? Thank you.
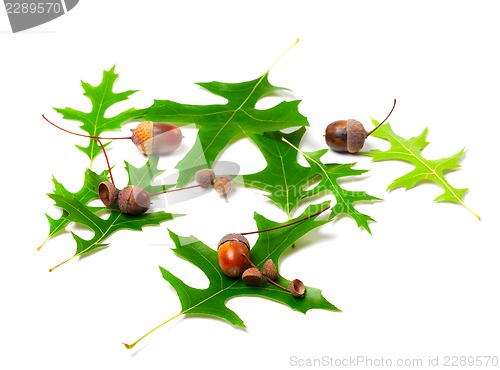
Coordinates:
(356, 135)
(108, 193)
(142, 134)
(234, 237)
(252, 276)
(297, 288)
(269, 270)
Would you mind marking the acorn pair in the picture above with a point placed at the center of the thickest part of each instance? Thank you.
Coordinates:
(132, 200)
(222, 184)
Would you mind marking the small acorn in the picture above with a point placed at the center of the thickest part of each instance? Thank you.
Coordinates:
(252, 276)
(108, 193)
(349, 135)
(205, 177)
(223, 185)
(133, 200)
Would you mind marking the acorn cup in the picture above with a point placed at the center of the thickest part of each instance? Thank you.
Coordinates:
(252, 276)
(297, 288)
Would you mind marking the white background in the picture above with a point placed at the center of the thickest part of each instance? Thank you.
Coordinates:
(425, 284)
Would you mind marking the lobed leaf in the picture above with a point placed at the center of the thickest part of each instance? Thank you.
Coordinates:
(95, 122)
(220, 124)
(86, 194)
(270, 245)
(103, 228)
(426, 170)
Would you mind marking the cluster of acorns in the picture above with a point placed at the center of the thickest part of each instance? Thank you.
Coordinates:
(233, 253)
(134, 200)
(233, 249)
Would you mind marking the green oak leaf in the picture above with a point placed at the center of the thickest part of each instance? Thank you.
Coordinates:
(283, 178)
(329, 175)
(95, 122)
(270, 245)
(86, 194)
(75, 208)
(220, 124)
(426, 170)
(102, 228)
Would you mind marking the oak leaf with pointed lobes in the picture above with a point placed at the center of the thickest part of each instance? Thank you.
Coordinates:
(85, 195)
(269, 245)
(95, 122)
(75, 210)
(103, 228)
(220, 124)
(426, 170)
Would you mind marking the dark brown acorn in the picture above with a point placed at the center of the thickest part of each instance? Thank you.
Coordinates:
(349, 135)
(133, 200)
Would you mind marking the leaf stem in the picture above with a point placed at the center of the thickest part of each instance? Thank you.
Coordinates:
(132, 345)
(43, 243)
(282, 55)
(63, 262)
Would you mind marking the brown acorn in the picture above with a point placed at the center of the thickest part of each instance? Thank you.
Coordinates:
(156, 137)
(233, 255)
(349, 135)
(133, 200)
(205, 177)
(345, 135)
(223, 185)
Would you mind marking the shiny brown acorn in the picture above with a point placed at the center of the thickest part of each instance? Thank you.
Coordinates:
(349, 135)
(149, 137)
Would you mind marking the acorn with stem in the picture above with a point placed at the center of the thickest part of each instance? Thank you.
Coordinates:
(149, 137)
(349, 135)
(233, 254)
